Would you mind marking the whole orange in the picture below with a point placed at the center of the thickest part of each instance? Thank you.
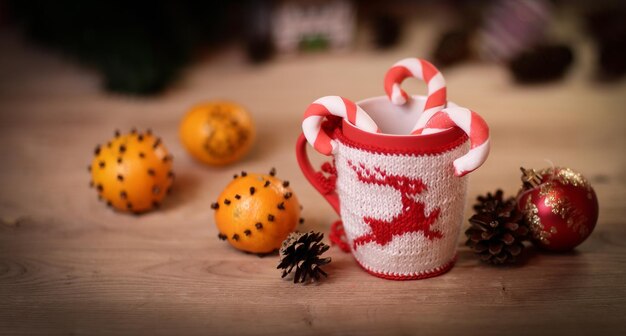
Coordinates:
(217, 133)
(256, 212)
(132, 172)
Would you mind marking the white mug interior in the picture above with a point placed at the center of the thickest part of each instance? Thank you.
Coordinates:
(395, 119)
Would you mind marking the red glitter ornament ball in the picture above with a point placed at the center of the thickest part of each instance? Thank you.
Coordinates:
(560, 207)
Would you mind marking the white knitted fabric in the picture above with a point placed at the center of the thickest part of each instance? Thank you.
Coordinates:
(408, 254)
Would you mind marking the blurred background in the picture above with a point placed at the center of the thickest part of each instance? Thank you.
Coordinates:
(546, 75)
(140, 48)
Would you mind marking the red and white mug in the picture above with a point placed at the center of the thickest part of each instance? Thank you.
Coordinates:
(397, 194)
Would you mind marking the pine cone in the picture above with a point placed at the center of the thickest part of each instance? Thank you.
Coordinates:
(497, 229)
(303, 251)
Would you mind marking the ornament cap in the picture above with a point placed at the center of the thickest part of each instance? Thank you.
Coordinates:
(530, 178)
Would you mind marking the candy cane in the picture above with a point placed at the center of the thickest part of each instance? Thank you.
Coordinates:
(421, 69)
(333, 106)
(473, 125)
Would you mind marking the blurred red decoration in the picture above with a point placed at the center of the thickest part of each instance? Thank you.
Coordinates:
(560, 207)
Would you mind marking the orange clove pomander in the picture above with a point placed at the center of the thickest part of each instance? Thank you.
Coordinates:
(132, 172)
(217, 133)
(256, 212)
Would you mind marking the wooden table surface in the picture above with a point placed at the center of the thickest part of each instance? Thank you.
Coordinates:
(69, 265)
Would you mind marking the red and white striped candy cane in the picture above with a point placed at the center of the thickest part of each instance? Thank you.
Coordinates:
(473, 125)
(421, 69)
(333, 106)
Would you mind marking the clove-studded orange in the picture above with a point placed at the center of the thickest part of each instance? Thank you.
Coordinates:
(132, 172)
(217, 133)
(256, 212)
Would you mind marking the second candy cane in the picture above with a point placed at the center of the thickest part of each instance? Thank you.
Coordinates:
(421, 69)
(473, 125)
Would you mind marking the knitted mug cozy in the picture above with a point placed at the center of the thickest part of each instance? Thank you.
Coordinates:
(400, 203)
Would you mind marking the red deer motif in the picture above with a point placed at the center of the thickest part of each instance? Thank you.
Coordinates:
(412, 217)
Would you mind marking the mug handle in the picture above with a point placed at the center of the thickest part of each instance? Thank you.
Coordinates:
(314, 176)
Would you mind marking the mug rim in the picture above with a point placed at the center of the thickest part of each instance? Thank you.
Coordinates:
(400, 143)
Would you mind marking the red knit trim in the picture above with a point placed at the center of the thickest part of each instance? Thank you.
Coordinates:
(338, 237)
(422, 275)
(339, 136)
(327, 177)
